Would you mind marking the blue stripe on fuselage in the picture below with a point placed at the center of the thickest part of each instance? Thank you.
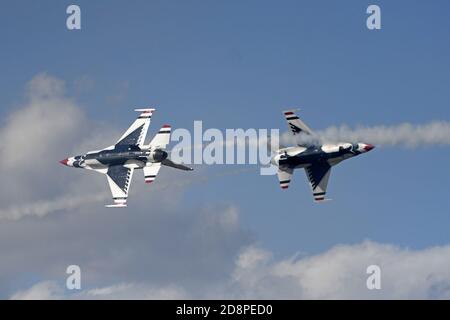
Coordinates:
(119, 155)
(311, 155)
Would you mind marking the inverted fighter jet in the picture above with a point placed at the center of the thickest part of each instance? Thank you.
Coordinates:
(119, 161)
(316, 158)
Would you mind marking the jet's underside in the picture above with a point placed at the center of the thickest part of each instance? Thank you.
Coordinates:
(317, 160)
(118, 161)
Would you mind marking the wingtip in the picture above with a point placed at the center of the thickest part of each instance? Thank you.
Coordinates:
(116, 206)
(145, 109)
(323, 200)
(291, 111)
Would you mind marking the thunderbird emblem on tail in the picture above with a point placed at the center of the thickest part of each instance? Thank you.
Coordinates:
(118, 161)
(316, 159)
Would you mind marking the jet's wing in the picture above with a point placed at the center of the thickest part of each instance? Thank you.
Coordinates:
(151, 171)
(119, 179)
(295, 124)
(284, 176)
(136, 133)
(318, 175)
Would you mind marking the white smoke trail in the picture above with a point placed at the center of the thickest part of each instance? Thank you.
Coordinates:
(408, 135)
(42, 208)
(404, 135)
(71, 202)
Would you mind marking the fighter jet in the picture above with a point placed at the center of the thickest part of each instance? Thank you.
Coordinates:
(119, 161)
(316, 158)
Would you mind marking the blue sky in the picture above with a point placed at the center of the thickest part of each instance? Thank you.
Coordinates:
(238, 64)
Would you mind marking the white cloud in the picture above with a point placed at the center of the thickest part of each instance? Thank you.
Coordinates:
(40, 130)
(32, 141)
(52, 290)
(136, 291)
(46, 290)
(229, 218)
(339, 273)
(153, 248)
(47, 128)
(163, 250)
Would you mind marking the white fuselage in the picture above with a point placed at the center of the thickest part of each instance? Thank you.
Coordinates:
(301, 157)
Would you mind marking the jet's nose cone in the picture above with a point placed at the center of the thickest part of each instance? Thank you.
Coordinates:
(64, 162)
(368, 147)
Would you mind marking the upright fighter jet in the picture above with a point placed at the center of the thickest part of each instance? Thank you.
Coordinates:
(316, 158)
(119, 161)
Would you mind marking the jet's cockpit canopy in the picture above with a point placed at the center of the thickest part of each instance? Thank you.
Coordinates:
(79, 161)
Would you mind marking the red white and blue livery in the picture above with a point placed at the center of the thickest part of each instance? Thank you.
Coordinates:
(316, 158)
(119, 161)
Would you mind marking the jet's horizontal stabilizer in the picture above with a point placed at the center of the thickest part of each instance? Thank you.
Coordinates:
(284, 177)
(151, 171)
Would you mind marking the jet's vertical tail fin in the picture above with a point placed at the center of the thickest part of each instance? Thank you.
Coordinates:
(296, 125)
(162, 138)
